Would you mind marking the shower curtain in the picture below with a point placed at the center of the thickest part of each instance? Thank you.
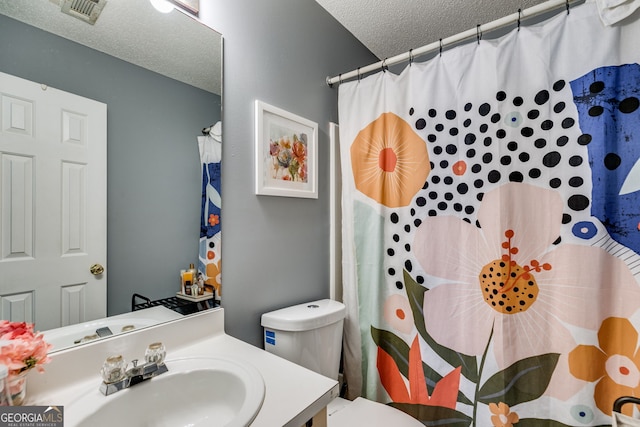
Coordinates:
(491, 228)
(210, 251)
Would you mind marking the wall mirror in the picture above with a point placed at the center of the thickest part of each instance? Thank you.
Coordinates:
(159, 77)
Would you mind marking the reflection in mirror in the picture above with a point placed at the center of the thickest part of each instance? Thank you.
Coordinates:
(72, 335)
(155, 80)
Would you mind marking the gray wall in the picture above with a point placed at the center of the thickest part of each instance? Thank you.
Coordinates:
(275, 249)
(153, 163)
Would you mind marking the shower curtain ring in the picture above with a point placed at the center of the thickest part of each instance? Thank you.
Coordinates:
(519, 16)
(410, 57)
(567, 7)
(384, 65)
(358, 73)
(478, 33)
(339, 78)
(440, 47)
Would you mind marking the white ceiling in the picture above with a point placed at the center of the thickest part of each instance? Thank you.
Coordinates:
(393, 27)
(134, 31)
(386, 27)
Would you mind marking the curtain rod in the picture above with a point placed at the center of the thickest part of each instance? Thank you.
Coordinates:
(539, 9)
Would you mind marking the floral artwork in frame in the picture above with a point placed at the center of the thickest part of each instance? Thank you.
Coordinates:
(286, 153)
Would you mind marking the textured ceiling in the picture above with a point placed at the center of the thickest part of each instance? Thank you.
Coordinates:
(392, 27)
(134, 31)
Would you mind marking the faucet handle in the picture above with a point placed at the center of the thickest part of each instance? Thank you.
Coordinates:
(155, 353)
(113, 369)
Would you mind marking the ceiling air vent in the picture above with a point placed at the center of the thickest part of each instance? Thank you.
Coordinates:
(85, 10)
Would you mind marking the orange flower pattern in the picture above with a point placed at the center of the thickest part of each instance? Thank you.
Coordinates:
(615, 364)
(444, 394)
(214, 276)
(214, 220)
(390, 161)
(502, 415)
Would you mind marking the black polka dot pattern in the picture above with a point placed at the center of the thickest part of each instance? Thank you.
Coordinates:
(481, 144)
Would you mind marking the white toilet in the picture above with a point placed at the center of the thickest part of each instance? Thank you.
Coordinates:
(310, 335)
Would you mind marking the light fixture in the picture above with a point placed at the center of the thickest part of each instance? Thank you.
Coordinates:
(163, 6)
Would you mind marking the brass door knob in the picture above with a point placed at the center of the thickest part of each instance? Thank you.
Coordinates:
(96, 269)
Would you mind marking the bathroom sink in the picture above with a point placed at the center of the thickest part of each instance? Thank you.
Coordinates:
(199, 391)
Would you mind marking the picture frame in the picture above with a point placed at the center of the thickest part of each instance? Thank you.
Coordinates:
(286, 153)
(191, 6)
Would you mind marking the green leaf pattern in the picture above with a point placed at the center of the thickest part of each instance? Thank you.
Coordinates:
(523, 381)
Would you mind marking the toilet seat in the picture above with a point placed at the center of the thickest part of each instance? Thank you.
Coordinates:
(343, 413)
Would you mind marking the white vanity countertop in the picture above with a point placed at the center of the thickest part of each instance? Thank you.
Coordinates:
(293, 394)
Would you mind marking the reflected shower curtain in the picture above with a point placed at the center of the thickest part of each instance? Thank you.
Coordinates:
(210, 251)
(491, 228)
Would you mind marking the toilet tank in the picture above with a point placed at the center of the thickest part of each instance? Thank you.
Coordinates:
(307, 334)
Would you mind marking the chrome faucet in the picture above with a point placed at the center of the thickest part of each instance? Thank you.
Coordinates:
(116, 377)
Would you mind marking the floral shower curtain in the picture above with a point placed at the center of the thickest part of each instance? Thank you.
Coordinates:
(210, 252)
(491, 228)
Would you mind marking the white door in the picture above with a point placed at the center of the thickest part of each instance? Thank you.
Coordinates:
(53, 200)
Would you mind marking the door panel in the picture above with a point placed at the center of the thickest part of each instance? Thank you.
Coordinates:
(52, 203)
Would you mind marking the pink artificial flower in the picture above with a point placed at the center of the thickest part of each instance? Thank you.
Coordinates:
(25, 349)
(510, 278)
(15, 330)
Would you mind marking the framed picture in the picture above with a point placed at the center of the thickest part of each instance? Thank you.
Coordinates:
(286, 153)
(191, 6)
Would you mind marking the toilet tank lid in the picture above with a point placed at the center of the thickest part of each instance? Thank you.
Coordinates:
(304, 317)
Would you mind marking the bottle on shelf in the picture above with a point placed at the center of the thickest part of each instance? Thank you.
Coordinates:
(187, 280)
(194, 279)
(194, 272)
